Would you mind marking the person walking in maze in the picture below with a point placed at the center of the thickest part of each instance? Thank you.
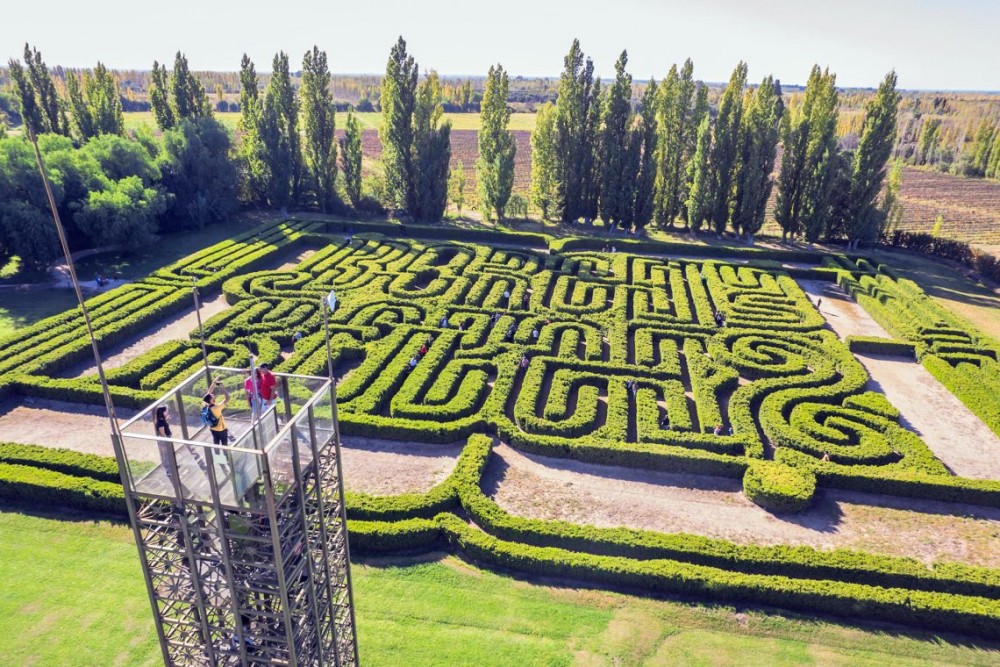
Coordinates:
(665, 422)
(525, 300)
(163, 431)
(524, 362)
(268, 388)
(444, 321)
(819, 302)
(413, 364)
(511, 330)
(423, 349)
(534, 334)
(211, 415)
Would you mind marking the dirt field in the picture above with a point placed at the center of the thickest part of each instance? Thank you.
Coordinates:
(606, 496)
(83, 428)
(387, 467)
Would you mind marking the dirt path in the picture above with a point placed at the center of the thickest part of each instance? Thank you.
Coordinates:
(83, 428)
(389, 467)
(605, 496)
(957, 437)
(841, 312)
(177, 327)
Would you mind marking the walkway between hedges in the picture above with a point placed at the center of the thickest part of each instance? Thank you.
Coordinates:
(957, 437)
(607, 496)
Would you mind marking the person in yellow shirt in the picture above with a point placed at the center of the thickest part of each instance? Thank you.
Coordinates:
(216, 422)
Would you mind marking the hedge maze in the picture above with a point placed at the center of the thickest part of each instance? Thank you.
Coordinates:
(614, 358)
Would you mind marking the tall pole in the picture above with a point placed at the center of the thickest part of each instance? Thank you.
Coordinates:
(201, 330)
(331, 301)
(116, 438)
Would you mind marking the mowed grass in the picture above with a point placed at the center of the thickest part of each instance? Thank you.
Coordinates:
(21, 308)
(369, 120)
(72, 594)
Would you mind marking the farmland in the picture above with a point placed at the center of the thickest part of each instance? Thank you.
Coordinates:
(596, 421)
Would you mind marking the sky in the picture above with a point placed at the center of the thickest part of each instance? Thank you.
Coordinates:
(932, 44)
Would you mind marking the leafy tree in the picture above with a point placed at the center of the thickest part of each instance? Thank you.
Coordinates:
(929, 143)
(159, 97)
(993, 169)
(892, 207)
(757, 152)
(27, 231)
(616, 201)
(676, 130)
(30, 111)
(398, 99)
(724, 160)
(577, 119)
(544, 162)
(646, 138)
(198, 173)
(431, 152)
(698, 199)
(810, 146)
(188, 94)
(280, 136)
(45, 91)
(495, 165)
(124, 214)
(96, 104)
(319, 117)
(120, 158)
(456, 186)
(254, 172)
(878, 136)
(350, 159)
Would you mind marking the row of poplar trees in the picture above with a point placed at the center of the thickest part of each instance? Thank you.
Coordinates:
(664, 158)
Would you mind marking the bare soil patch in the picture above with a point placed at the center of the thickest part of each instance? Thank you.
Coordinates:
(177, 327)
(841, 312)
(957, 437)
(83, 428)
(606, 496)
(390, 467)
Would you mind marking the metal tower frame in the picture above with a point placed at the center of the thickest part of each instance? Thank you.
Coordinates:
(244, 547)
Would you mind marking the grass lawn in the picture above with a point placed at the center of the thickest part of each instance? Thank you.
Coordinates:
(20, 308)
(72, 594)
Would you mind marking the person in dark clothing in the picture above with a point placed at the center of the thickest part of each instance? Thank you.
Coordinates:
(162, 427)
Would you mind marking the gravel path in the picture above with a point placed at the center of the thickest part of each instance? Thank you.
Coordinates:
(605, 496)
(389, 467)
(842, 313)
(83, 428)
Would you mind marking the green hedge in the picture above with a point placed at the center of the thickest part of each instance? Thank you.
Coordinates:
(886, 346)
(778, 487)
(66, 461)
(31, 484)
(935, 611)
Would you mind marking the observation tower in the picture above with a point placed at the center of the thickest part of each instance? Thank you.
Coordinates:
(244, 550)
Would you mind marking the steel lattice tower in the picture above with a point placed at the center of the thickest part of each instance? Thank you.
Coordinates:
(244, 551)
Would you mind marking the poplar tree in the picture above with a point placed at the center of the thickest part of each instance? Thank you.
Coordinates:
(757, 152)
(698, 199)
(45, 93)
(399, 86)
(677, 131)
(590, 166)
(645, 179)
(319, 118)
(104, 102)
(495, 165)
(82, 120)
(431, 152)
(350, 159)
(616, 194)
(577, 118)
(865, 220)
(724, 160)
(31, 114)
(281, 147)
(254, 171)
(545, 162)
(188, 95)
(159, 97)
(808, 161)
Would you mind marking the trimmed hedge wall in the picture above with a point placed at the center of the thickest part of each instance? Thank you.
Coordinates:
(886, 346)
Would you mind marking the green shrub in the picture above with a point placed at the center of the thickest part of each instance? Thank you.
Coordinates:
(778, 487)
(35, 485)
(66, 461)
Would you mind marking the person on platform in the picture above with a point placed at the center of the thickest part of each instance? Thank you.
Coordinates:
(268, 388)
(214, 418)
